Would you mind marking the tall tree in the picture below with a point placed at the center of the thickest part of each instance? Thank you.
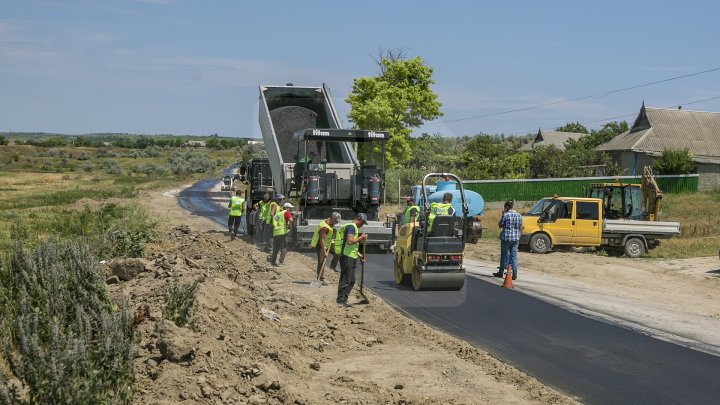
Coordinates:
(576, 127)
(397, 100)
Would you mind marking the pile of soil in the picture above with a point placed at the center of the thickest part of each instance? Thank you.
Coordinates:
(260, 334)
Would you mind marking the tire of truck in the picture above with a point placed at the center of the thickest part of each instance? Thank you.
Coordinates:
(540, 243)
(634, 248)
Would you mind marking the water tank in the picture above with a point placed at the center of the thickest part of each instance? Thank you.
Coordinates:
(374, 190)
(475, 202)
(417, 193)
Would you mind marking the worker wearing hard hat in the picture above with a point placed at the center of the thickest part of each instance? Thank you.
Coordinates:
(348, 240)
(273, 207)
(281, 222)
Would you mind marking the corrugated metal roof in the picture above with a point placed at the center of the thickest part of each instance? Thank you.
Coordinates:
(555, 138)
(672, 129)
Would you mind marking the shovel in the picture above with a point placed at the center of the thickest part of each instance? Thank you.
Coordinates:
(362, 276)
(317, 283)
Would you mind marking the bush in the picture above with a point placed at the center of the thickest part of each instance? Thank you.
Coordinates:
(83, 156)
(87, 167)
(152, 151)
(190, 162)
(179, 300)
(63, 338)
(674, 161)
(106, 153)
(111, 167)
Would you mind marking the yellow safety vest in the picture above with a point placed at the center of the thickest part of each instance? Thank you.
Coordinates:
(236, 204)
(278, 222)
(268, 213)
(316, 235)
(406, 219)
(435, 210)
(341, 244)
(263, 208)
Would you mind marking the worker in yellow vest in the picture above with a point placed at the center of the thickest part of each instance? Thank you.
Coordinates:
(281, 223)
(237, 207)
(411, 211)
(322, 239)
(272, 208)
(349, 238)
(437, 209)
(260, 228)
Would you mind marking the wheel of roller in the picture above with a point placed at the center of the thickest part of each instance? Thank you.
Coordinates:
(417, 280)
(400, 277)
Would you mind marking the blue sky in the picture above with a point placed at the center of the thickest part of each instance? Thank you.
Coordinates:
(193, 67)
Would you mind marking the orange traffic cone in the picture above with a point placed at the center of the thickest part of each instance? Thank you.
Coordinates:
(508, 278)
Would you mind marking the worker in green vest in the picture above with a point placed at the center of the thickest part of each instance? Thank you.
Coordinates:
(349, 239)
(437, 209)
(260, 227)
(411, 211)
(281, 223)
(272, 208)
(237, 207)
(322, 239)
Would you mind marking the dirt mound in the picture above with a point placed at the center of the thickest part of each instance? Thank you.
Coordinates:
(261, 335)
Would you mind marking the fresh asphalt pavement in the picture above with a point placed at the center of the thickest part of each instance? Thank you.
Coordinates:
(594, 361)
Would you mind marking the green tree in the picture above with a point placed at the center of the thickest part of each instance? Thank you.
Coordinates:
(546, 162)
(397, 100)
(3, 141)
(576, 127)
(674, 161)
(488, 157)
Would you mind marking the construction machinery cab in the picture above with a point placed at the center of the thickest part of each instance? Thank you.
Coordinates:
(629, 201)
(433, 259)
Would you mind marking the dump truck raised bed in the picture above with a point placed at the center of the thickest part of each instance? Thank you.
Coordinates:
(572, 221)
(315, 166)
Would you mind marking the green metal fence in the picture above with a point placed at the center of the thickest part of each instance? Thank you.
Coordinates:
(535, 189)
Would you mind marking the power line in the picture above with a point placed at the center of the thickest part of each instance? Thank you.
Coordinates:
(629, 115)
(596, 95)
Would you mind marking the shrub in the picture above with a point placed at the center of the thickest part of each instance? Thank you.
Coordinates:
(190, 162)
(87, 167)
(179, 300)
(111, 167)
(674, 161)
(106, 153)
(63, 338)
(83, 156)
(152, 151)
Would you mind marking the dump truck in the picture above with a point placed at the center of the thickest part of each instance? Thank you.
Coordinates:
(257, 177)
(576, 221)
(314, 164)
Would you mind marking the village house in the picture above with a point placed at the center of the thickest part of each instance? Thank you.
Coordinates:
(554, 138)
(656, 129)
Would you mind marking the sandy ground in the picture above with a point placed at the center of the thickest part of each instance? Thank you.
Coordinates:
(261, 335)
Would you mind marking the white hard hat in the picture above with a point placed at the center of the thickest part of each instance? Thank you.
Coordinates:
(288, 205)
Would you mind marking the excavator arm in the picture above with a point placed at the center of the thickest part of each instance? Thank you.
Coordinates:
(651, 194)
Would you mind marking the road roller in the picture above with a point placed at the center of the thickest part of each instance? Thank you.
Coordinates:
(433, 260)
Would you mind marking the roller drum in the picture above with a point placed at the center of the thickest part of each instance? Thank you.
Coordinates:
(437, 281)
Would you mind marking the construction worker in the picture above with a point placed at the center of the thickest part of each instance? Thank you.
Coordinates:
(511, 225)
(411, 211)
(444, 208)
(322, 239)
(260, 227)
(272, 208)
(237, 207)
(281, 222)
(349, 241)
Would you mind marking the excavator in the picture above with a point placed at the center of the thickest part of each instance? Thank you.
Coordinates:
(630, 201)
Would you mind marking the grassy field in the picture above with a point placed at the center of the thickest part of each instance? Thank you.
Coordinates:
(50, 192)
